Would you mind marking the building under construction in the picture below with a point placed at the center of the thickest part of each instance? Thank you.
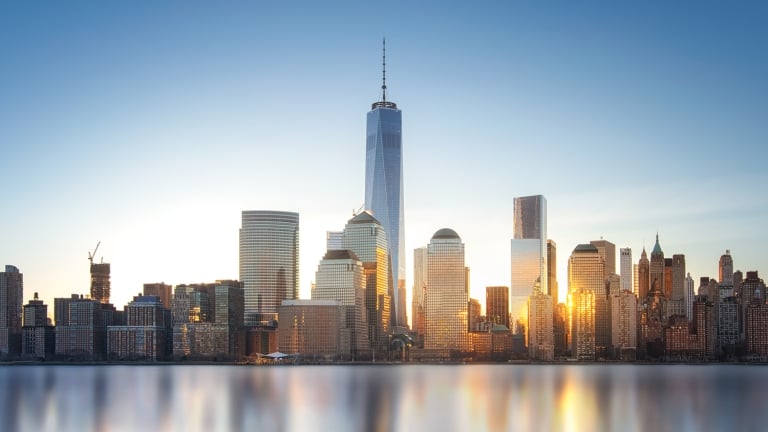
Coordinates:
(99, 278)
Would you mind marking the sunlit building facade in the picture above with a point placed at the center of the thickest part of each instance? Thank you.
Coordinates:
(626, 269)
(657, 268)
(541, 336)
(269, 262)
(384, 189)
(624, 325)
(643, 277)
(162, 290)
(419, 292)
(586, 284)
(552, 271)
(446, 312)
(497, 305)
(340, 276)
(528, 254)
(365, 237)
(315, 329)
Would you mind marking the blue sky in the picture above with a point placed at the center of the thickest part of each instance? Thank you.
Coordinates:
(150, 127)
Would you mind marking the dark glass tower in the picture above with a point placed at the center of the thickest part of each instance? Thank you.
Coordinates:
(384, 188)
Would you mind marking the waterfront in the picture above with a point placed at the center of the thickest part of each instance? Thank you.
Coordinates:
(397, 397)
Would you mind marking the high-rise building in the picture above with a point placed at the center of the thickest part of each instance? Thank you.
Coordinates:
(552, 271)
(447, 298)
(689, 297)
(340, 276)
(625, 265)
(37, 339)
(541, 336)
(80, 328)
(725, 269)
(333, 240)
(497, 305)
(313, 328)
(607, 251)
(636, 280)
(11, 300)
(100, 283)
(269, 262)
(419, 292)
(384, 187)
(144, 334)
(528, 254)
(677, 304)
(657, 268)
(560, 329)
(586, 284)
(161, 290)
(365, 237)
(475, 315)
(624, 325)
(643, 277)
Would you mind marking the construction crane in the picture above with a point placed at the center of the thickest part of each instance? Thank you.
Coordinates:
(93, 254)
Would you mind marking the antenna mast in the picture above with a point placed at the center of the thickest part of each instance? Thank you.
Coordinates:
(383, 69)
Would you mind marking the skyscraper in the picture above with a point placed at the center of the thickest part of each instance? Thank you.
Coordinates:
(725, 269)
(528, 254)
(657, 268)
(447, 299)
(269, 262)
(100, 284)
(384, 187)
(586, 284)
(625, 265)
(11, 300)
(364, 236)
(643, 276)
(419, 291)
(37, 334)
(552, 271)
(497, 305)
(541, 336)
(607, 251)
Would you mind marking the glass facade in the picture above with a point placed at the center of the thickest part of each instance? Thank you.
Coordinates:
(269, 262)
(589, 308)
(447, 298)
(384, 190)
(419, 287)
(528, 255)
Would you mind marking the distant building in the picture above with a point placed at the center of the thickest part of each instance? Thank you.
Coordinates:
(626, 268)
(528, 255)
(419, 293)
(446, 312)
(541, 337)
(657, 268)
(315, 329)
(497, 305)
(269, 262)
(475, 315)
(607, 251)
(38, 338)
(161, 290)
(11, 299)
(725, 269)
(624, 325)
(143, 337)
(552, 271)
(560, 330)
(333, 240)
(80, 328)
(586, 285)
(100, 283)
(757, 328)
(676, 304)
(689, 297)
(643, 277)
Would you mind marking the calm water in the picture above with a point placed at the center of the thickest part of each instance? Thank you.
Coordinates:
(362, 398)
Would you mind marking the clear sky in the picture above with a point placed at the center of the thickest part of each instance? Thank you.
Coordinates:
(149, 126)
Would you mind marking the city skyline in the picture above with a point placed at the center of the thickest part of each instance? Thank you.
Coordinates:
(154, 141)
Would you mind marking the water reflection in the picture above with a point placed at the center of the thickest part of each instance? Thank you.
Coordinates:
(382, 398)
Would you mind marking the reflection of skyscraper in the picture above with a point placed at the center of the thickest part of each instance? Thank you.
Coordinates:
(269, 262)
(528, 253)
(447, 297)
(384, 188)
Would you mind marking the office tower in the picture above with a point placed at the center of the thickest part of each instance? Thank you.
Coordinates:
(552, 271)
(586, 284)
(644, 277)
(607, 251)
(475, 315)
(528, 254)
(541, 336)
(625, 265)
(37, 339)
(312, 328)
(384, 187)
(560, 329)
(340, 276)
(269, 262)
(365, 237)
(657, 269)
(756, 314)
(11, 300)
(333, 240)
(497, 305)
(161, 290)
(727, 324)
(688, 340)
(447, 295)
(636, 280)
(676, 304)
(689, 297)
(100, 284)
(624, 325)
(229, 306)
(725, 269)
(144, 334)
(80, 328)
(419, 292)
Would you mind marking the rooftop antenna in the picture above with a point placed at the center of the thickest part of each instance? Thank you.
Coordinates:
(383, 69)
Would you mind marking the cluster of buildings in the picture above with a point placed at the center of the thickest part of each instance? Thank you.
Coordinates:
(643, 310)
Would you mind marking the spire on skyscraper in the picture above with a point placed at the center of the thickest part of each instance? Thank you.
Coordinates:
(383, 69)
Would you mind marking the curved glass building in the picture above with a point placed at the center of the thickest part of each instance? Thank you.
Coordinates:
(269, 262)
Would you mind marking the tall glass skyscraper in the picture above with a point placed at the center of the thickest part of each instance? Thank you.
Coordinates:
(384, 187)
(447, 299)
(269, 262)
(528, 254)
